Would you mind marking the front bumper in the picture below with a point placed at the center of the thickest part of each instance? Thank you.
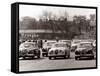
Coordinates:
(26, 55)
(85, 55)
(57, 55)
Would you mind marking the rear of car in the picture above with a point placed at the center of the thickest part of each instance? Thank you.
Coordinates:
(84, 50)
(59, 49)
(29, 49)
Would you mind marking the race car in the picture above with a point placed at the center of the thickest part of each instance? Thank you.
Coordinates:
(29, 49)
(84, 50)
(46, 46)
(59, 49)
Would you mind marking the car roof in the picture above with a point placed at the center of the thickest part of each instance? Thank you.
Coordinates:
(51, 41)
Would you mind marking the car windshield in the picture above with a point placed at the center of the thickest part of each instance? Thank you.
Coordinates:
(50, 43)
(30, 45)
(85, 45)
(76, 42)
(60, 45)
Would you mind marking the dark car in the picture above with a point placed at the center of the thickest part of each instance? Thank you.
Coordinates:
(84, 50)
(29, 49)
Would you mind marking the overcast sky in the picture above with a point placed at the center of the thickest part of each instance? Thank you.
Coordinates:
(37, 11)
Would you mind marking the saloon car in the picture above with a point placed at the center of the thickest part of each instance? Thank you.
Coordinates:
(59, 49)
(84, 50)
(29, 49)
(46, 46)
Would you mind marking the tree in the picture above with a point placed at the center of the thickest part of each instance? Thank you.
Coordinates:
(80, 22)
(28, 23)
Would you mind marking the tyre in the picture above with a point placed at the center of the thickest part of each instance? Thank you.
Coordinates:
(24, 57)
(32, 57)
(76, 58)
(64, 57)
(92, 57)
(43, 55)
(46, 55)
(68, 56)
(38, 56)
(50, 58)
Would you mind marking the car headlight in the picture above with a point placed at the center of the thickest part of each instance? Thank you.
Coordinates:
(51, 52)
(24, 51)
(65, 51)
(89, 52)
(77, 52)
(60, 50)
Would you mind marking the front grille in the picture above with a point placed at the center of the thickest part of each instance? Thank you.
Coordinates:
(30, 52)
(89, 52)
(56, 51)
(83, 52)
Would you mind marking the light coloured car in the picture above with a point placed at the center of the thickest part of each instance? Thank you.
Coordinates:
(59, 49)
(29, 49)
(84, 50)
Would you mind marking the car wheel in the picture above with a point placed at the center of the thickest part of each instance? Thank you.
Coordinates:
(32, 57)
(92, 57)
(64, 57)
(38, 56)
(24, 57)
(46, 55)
(76, 58)
(43, 55)
(50, 58)
(68, 56)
